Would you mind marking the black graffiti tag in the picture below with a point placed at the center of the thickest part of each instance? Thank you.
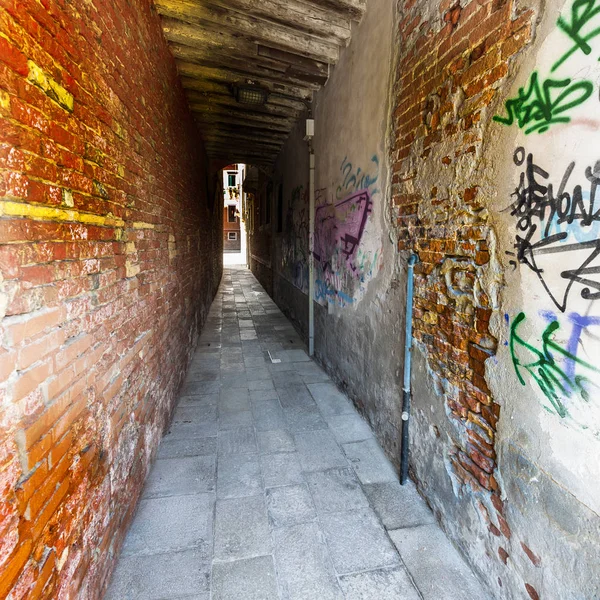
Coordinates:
(539, 210)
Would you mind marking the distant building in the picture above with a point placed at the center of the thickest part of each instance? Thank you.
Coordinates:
(232, 207)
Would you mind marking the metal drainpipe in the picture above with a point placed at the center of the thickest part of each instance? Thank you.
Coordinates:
(407, 356)
(311, 247)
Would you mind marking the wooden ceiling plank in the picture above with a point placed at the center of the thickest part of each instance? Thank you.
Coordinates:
(233, 76)
(182, 17)
(311, 19)
(351, 9)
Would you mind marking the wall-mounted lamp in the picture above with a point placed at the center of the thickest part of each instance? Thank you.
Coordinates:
(250, 94)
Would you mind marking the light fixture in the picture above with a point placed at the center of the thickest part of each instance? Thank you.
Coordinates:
(250, 94)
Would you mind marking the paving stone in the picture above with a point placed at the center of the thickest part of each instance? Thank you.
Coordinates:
(192, 429)
(237, 441)
(204, 400)
(249, 579)
(172, 524)
(303, 564)
(435, 565)
(178, 448)
(232, 400)
(262, 395)
(357, 541)
(232, 381)
(336, 490)
(268, 415)
(318, 451)
(203, 375)
(349, 428)
(330, 400)
(241, 528)
(283, 377)
(398, 505)
(194, 388)
(195, 413)
(238, 475)
(369, 462)
(276, 440)
(382, 584)
(235, 419)
(262, 384)
(290, 505)
(159, 576)
(281, 469)
(181, 476)
(304, 419)
(258, 374)
(295, 395)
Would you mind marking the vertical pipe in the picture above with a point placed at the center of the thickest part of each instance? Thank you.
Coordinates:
(407, 358)
(311, 247)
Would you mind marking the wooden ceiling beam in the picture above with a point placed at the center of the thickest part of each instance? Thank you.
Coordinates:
(351, 9)
(211, 89)
(220, 120)
(285, 69)
(220, 27)
(232, 76)
(311, 19)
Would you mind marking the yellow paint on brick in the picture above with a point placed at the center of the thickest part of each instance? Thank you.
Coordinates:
(49, 86)
(46, 213)
(131, 270)
(67, 197)
(130, 248)
(4, 100)
(142, 225)
(172, 247)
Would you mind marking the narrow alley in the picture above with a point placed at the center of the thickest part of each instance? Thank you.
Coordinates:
(269, 484)
(298, 299)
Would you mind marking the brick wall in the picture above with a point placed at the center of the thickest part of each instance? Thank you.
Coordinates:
(110, 254)
(453, 70)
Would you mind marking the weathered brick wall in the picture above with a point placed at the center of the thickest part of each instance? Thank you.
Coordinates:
(457, 62)
(454, 63)
(110, 255)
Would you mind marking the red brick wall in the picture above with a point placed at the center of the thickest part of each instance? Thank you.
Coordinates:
(453, 71)
(109, 258)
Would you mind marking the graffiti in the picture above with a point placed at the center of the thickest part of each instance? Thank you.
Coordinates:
(544, 103)
(551, 221)
(338, 231)
(294, 244)
(558, 372)
(356, 180)
(582, 13)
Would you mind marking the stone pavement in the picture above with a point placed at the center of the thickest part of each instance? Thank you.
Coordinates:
(270, 485)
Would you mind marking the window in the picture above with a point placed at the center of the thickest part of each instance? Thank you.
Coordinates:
(231, 218)
(280, 209)
(232, 235)
(231, 180)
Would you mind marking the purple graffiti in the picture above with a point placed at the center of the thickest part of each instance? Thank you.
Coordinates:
(339, 228)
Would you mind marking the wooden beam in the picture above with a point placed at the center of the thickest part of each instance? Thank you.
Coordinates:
(256, 141)
(352, 9)
(228, 105)
(315, 20)
(274, 104)
(309, 74)
(205, 120)
(225, 75)
(218, 26)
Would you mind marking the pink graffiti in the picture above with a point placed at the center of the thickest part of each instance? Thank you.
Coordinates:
(339, 228)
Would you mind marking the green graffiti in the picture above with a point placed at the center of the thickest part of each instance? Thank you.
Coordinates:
(551, 367)
(544, 103)
(582, 12)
